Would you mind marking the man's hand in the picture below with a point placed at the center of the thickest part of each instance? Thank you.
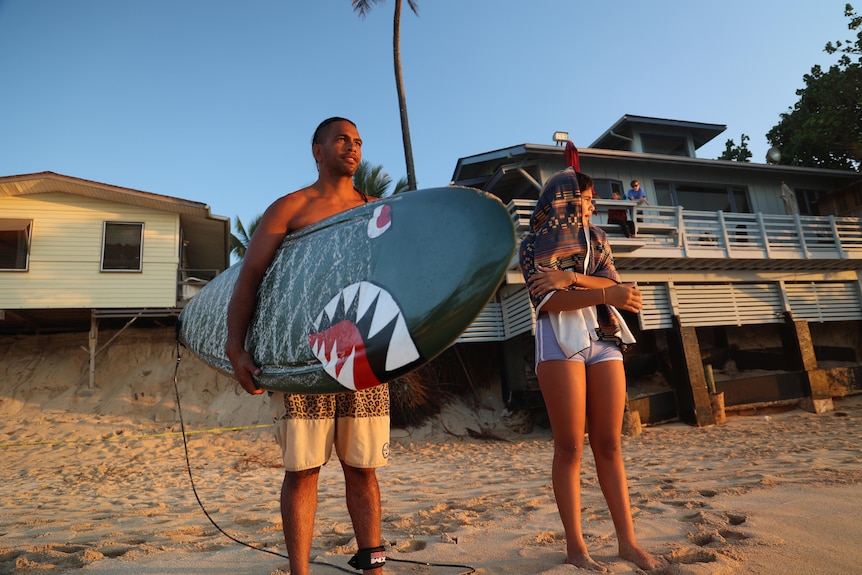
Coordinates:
(244, 370)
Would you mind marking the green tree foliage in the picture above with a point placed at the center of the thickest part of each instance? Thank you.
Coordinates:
(363, 7)
(824, 128)
(239, 241)
(736, 153)
(373, 181)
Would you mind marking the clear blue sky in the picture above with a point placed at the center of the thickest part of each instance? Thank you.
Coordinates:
(215, 101)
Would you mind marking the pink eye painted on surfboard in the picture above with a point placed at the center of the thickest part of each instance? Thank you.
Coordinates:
(380, 221)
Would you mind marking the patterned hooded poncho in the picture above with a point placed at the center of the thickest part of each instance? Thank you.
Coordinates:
(558, 239)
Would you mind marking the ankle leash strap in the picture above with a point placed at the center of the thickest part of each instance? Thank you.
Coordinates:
(370, 558)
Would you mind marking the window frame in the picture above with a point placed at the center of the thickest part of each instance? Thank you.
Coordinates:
(600, 183)
(140, 255)
(18, 225)
(808, 201)
(666, 194)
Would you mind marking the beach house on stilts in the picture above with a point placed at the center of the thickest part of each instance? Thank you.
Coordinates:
(751, 272)
(76, 254)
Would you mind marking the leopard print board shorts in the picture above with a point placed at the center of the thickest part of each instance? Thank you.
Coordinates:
(356, 423)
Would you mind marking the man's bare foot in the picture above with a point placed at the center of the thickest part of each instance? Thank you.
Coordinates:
(586, 562)
(641, 558)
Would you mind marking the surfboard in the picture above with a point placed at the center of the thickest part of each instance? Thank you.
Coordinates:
(365, 296)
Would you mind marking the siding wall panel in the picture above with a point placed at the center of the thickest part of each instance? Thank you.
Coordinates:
(824, 301)
(65, 256)
(657, 312)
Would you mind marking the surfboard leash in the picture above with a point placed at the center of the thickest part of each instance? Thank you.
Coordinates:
(469, 570)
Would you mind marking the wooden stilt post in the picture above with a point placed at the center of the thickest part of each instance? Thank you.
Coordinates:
(689, 378)
(801, 347)
(94, 340)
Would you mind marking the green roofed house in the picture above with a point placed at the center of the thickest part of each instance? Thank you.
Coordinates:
(75, 252)
(751, 272)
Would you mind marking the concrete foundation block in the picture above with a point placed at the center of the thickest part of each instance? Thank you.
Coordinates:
(817, 405)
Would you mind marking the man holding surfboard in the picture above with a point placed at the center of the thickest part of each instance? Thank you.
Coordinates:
(308, 426)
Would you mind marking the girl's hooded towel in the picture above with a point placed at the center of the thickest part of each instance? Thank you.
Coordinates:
(559, 238)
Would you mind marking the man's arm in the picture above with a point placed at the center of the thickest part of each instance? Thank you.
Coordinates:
(269, 234)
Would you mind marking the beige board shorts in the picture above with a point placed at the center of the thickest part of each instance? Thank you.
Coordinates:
(356, 423)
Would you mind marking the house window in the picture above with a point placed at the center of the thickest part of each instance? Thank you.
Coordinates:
(605, 188)
(122, 246)
(15, 244)
(807, 201)
(703, 197)
(663, 144)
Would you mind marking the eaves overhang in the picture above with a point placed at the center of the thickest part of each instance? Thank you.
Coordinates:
(479, 169)
(624, 129)
(208, 234)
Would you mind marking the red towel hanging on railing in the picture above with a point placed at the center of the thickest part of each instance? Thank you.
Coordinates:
(572, 158)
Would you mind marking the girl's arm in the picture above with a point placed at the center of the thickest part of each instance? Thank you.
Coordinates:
(591, 291)
(621, 296)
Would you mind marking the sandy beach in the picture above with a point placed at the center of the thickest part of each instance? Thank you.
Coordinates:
(95, 481)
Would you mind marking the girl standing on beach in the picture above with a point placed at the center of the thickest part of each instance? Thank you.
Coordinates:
(569, 270)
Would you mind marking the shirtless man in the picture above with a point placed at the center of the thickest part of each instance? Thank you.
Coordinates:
(307, 427)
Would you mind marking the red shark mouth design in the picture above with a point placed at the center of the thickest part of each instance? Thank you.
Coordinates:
(361, 337)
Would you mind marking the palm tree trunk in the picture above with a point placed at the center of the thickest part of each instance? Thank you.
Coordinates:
(402, 101)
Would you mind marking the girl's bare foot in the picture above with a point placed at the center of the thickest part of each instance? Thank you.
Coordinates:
(585, 562)
(641, 558)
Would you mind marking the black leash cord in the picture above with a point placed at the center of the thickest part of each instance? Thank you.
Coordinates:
(249, 545)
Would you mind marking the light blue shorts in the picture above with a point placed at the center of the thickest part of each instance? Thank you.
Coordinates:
(547, 348)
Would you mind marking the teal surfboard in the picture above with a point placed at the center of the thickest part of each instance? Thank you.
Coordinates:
(365, 296)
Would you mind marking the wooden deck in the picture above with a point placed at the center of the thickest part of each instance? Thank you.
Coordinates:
(711, 268)
(672, 233)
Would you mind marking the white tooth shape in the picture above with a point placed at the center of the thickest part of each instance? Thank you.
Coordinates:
(345, 378)
(349, 294)
(332, 357)
(332, 306)
(401, 349)
(367, 293)
(318, 320)
(384, 313)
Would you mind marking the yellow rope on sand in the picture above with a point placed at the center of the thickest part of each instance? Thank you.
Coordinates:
(131, 437)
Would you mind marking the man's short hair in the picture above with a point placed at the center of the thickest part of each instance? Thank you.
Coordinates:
(315, 139)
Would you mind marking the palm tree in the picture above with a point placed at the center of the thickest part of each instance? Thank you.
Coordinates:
(373, 181)
(239, 243)
(363, 7)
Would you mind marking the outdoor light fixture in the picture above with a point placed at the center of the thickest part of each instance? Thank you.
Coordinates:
(561, 137)
(773, 155)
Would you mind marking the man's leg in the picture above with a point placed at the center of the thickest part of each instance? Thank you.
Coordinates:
(363, 504)
(298, 507)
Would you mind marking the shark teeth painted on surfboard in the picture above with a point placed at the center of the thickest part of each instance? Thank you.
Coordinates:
(357, 314)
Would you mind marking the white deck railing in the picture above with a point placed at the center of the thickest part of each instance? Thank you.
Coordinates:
(672, 232)
(689, 233)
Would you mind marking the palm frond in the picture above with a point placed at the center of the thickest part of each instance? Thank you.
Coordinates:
(400, 186)
(239, 241)
(371, 180)
(363, 7)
